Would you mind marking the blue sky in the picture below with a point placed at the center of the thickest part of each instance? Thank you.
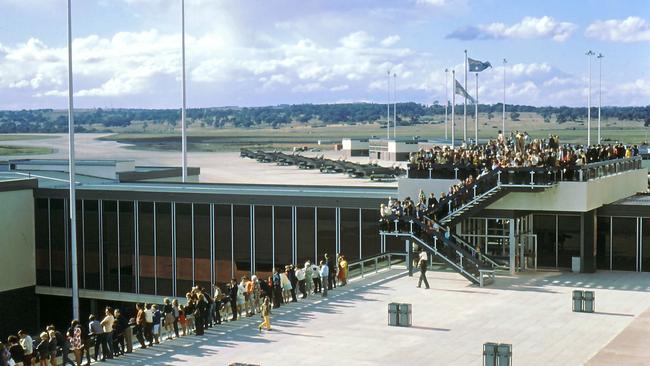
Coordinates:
(127, 52)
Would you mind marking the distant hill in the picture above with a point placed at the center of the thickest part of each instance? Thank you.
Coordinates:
(111, 120)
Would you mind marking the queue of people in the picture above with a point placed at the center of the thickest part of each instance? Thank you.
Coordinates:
(111, 335)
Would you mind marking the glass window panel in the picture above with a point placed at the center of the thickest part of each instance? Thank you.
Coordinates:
(305, 240)
(370, 240)
(57, 237)
(202, 275)
(544, 228)
(624, 244)
(147, 264)
(603, 237)
(164, 248)
(91, 245)
(80, 250)
(283, 237)
(242, 240)
(109, 246)
(42, 242)
(326, 232)
(568, 239)
(645, 250)
(350, 233)
(263, 241)
(223, 244)
(127, 247)
(183, 248)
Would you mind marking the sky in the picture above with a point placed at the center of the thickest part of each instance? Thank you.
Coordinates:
(127, 53)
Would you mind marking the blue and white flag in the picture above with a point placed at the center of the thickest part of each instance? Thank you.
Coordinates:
(477, 66)
(458, 89)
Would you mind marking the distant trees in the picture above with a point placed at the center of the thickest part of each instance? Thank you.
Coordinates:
(93, 120)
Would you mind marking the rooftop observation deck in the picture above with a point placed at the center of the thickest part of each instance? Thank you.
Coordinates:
(453, 319)
(578, 189)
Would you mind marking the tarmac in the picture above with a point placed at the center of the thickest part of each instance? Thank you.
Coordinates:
(451, 322)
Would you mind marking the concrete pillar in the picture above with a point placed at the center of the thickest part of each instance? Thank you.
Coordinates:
(409, 260)
(513, 245)
(588, 237)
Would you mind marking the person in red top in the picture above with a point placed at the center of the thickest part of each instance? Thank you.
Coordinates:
(140, 322)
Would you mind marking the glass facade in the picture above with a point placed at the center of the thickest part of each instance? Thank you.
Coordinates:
(568, 240)
(545, 228)
(624, 243)
(110, 252)
(350, 233)
(603, 243)
(164, 248)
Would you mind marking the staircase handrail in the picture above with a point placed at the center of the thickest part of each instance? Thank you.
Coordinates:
(465, 245)
(434, 250)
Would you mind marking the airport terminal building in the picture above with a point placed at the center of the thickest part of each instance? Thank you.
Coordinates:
(143, 236)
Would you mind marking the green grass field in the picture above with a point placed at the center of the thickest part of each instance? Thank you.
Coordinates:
(232, 139)
(6, 150)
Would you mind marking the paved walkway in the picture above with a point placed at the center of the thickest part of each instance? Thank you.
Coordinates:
(630, 347)
(451, 322)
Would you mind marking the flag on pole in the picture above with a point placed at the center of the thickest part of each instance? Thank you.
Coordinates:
(477, 66)
(458, 89)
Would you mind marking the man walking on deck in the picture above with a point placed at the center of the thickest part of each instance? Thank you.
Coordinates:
(422, 264)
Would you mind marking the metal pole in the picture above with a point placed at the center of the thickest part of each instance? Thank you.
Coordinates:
(465, 103)
(446, 101)
(589, 54)
(503, 118)
(476, 113)
(395, 106)
(183, 136)
(453, 106)
(71, 168)
(388, 106)
(600, 89)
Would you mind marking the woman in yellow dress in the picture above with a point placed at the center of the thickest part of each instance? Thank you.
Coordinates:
(343, 270)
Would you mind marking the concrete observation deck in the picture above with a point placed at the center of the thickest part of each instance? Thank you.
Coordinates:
(451, 321)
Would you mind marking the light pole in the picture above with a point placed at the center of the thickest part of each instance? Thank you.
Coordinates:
(503, 117)
(71, 161)
(465, 104)
(395, 106)
(453, 107)
(600, 89)
(589, 54)
(388, 106)
(446, 101)
(183, 135)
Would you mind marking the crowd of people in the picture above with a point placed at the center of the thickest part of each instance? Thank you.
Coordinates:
(112, 334)
(519, 150)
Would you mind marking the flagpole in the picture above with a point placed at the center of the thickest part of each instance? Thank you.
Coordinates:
(600, 89)
(465, 105)
(446, 101)
(183, 133)
(395, 106)
(388, 106)
(503, 117)
(453, 107)
(71, 161)
(476, 114)
(589, 54)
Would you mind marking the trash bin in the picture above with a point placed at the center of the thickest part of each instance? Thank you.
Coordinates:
(393, 317)
(589, 301)
(578, 305)
(504, 354)
(490, 354)
(405, 313)
(575, 264)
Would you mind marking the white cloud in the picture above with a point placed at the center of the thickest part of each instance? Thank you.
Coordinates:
(390, 40)
(527, 28)
(356, 40)
(630, 29)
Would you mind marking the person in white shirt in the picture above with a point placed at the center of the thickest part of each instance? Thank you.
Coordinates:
(309, 284)
(324, 273)
(107, 326)
(422, 263)
(28, 345)
(300, 275)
